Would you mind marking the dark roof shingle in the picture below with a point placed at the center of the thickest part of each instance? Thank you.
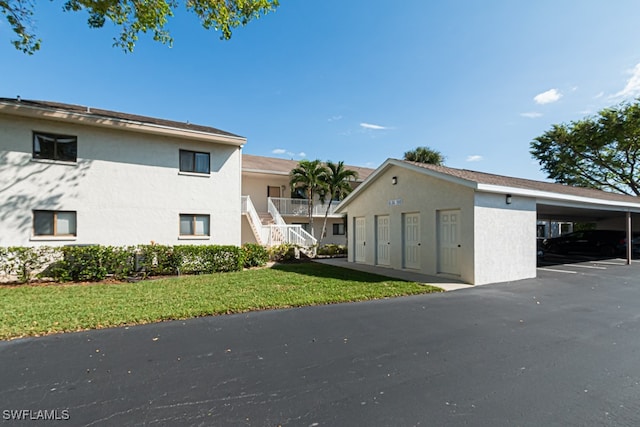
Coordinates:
(528, 184)
(115, 115)
(284, 166)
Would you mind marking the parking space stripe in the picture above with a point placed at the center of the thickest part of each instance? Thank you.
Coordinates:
(611, 263)
(557, 271)
(585, 266)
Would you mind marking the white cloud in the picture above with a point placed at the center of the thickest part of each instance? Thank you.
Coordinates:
(334, 118)
(552, 95)
(279, 151)
(531, 115)
(302, 154)
(599, 95)
(374, 127)
(474, 158)
(632, 88)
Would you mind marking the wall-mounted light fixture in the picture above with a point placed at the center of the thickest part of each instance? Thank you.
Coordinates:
(508, 199)
(394, 180)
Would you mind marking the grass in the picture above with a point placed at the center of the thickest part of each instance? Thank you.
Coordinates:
(34, 310)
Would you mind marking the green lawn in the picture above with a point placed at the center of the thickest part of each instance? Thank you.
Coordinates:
(29, 310)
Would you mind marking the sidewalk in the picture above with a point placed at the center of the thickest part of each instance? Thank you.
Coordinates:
(442, 282)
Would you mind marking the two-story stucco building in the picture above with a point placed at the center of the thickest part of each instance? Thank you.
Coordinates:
(73, 174)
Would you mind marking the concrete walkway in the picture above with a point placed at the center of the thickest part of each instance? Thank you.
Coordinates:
(445, 283)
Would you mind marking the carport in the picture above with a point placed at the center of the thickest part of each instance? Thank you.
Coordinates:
(607, 211)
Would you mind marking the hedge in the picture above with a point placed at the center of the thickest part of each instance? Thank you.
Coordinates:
(95, 262)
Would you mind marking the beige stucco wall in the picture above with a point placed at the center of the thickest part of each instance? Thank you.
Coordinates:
(416, 193)
(255, 185)
(125, 187)
(505, 238)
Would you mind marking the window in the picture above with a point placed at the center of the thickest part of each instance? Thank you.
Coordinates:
(193, 161)
(338, 229)
(54, 223)
(55, 147)
(194, 225)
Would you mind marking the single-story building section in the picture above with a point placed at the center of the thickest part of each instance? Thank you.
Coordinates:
(472, 226)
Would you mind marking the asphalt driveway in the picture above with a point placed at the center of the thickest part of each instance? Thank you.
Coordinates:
(562, 349)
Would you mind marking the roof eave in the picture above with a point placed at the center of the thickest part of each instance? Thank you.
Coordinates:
(551, 197)
(61, 115)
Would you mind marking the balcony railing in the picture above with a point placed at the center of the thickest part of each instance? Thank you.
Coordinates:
(278, 233)
(299, 207)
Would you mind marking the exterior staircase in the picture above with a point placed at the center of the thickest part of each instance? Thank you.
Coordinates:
(270, 229)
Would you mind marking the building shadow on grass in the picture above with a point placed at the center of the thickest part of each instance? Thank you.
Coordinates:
(315, 269)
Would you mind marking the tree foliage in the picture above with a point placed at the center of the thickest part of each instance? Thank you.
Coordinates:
(310, 176)
(133, 17)
(601, 152)
(338, 181)
(425, 155)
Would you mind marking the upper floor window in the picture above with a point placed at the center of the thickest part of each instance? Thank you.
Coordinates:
(194, 161)
(338, 229)
(55, 147)
(54, 223)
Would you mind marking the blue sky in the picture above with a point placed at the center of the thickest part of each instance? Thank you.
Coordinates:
(359, 81)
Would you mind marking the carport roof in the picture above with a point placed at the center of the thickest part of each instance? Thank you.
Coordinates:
(544, 192)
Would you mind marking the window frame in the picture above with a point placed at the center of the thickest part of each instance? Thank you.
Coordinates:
(56, 156)
(55, 223)
(194, 154)
(338, 224)
(193, 226)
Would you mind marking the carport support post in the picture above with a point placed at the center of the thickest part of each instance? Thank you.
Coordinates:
(629, 243)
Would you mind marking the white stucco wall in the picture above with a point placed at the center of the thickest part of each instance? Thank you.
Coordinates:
(126, 187)
(414, 192)
(505, 238)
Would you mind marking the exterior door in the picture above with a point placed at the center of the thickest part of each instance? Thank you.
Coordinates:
(359, 239)
(449, 242)
(383, 241)
(274, 191)
(411, 234)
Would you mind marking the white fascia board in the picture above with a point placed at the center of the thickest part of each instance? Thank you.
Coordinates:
(366, 183)
(559, 199)
(109, 122)
(263, 171)
(394, 162)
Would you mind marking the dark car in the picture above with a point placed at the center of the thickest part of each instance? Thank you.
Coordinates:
(603, 242)
(635, 245)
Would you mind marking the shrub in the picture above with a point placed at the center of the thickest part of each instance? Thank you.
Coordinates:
(157, 260)
(23, 262)
(91, 263)
(254, 255)
(283, 252)
(209, 259)
(332, 249)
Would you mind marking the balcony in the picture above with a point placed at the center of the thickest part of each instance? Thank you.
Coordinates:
(299, 207)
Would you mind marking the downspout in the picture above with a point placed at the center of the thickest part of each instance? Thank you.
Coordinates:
(629, 239)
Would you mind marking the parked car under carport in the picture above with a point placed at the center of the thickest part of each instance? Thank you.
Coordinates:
(602, 242)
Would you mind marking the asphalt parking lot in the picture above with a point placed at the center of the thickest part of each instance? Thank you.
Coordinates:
(581, 263)
(558, 350)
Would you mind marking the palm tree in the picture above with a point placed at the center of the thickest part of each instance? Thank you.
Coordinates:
(425, 155)
(310, 177)
(338, 186)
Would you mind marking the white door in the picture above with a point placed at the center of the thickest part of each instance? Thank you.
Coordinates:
(449, 242)
(383, 242)
(411, 233)
(359, 239)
